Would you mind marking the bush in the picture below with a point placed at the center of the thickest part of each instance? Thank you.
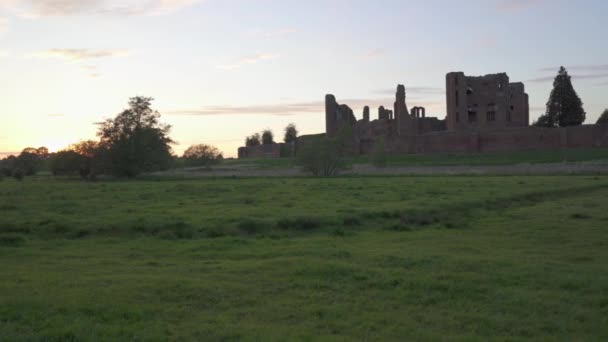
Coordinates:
(202, 155)
(351, 221)
(18, 174)
(11, 240)
(299, 223)
(251, 227)
(321, 157)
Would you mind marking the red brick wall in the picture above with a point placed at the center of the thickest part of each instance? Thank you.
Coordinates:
(513, 139)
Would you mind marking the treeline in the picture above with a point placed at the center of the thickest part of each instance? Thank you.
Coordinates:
(266, 137)
(133, 142)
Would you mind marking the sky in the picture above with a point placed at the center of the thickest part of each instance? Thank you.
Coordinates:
(220, 70)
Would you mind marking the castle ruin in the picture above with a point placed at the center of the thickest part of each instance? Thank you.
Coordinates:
(484, 114)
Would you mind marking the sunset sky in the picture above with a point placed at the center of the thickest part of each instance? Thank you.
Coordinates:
(223, 69)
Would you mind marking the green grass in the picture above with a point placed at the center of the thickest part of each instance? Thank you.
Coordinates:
(499, 158)
(397, 258)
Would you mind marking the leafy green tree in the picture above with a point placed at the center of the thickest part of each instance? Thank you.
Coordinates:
(564, 107)
(135, 141)
(544, 121)
(322, 157)
(31, 160)
(202, 155)
(66, 162)
(254, 140)
(91, 159)
(603, 120)
(267, 137)
(7, 165)
(291, 134)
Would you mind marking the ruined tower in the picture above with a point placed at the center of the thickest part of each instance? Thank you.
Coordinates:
(337, 116)
(487, 102)
(331, 107)
(402, 115)
(366, 114)
(400, 106)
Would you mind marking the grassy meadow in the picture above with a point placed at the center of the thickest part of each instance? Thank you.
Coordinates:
(340, 259)
(451, 159)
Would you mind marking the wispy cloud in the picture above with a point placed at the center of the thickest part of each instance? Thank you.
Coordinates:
(49, 8)
(516, 5)
(290, 109)
(78, 55)
(575, 76)
(413, 91)
(587, 68)
(253, 59)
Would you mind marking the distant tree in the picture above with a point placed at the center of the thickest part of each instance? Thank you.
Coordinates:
(135, 141)
(66, 162)
(291, 134)
(202, 155)
(544, 121)
(564, 107)
(322, 157)
(253, 140)
(7, 165)
(267, 137)
(603, 120)
(31, 160)
(91, 157)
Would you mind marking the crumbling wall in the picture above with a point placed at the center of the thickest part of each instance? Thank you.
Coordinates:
(261, 151)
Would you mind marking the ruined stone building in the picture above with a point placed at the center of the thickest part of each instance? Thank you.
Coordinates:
(388, 125)
(485, 102)
(484, 114)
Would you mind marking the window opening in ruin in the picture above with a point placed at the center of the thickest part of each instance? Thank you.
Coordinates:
(491, 116)
(472, 116)
(457, 99)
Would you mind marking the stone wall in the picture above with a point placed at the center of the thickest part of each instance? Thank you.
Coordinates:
(512, 139)
(262, 151)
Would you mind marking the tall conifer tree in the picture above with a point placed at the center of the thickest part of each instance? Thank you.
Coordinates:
(564, 107)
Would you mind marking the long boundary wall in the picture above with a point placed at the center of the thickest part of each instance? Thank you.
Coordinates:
(513, 139)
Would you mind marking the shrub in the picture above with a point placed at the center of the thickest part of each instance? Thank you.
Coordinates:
(251, 226)
(202, 155)
(18, 174)
(7, 172)
(580, 216)
(299, 223)
(11, 240)
(352, 221)
(322, 157)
